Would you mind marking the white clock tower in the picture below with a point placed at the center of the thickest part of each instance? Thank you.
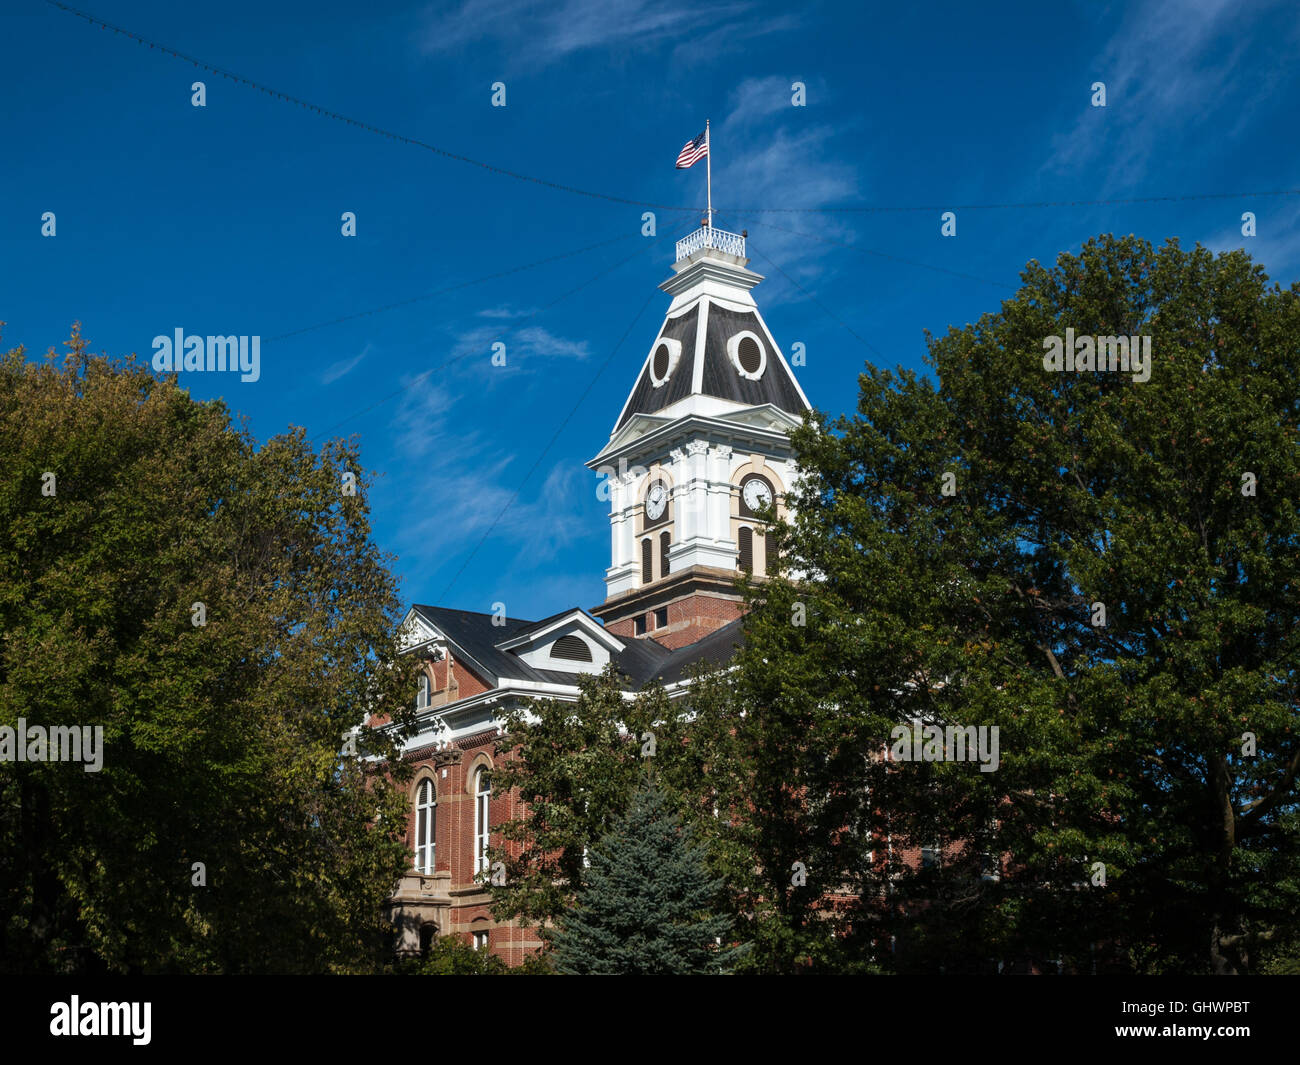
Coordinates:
(699, 449)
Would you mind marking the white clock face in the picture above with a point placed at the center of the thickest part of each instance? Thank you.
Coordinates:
(655, 501)
(756, 494)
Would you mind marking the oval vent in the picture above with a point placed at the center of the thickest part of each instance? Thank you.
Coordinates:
(749, 355)
(572, 648)
(663, 358)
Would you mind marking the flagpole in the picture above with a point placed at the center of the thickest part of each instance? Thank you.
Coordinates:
(708, 158)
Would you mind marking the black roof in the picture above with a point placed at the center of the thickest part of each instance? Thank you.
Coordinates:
(642, 660)
(720, 377)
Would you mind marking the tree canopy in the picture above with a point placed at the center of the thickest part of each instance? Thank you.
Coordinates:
(1103, 568)
(220, 610)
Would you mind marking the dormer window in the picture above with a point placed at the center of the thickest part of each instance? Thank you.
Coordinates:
(571, 648)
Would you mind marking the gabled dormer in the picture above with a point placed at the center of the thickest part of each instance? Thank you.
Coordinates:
(570, 642)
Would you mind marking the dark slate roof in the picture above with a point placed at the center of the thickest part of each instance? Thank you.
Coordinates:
(646, 399)
(642, 660)
(720, 377)
(717, 648)
(475, 634)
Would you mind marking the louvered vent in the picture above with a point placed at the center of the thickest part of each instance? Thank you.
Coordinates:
(746, 560)
(647, 561)
(572, 648)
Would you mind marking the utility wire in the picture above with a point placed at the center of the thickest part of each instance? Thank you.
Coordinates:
(450, 288)
(543, 453)
(878, 254)
(421, 378)
(368, 127)
(825, 310)
(560, 187)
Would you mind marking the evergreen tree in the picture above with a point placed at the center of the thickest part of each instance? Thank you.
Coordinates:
(647, 904)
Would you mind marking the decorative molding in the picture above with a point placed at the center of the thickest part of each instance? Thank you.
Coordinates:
(697, 447)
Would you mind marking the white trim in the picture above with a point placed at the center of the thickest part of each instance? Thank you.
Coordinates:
(674, 356)
(701, 331)
(482, 818)
(426, 846)
(781, 359)
(590, 625)
(733, 352)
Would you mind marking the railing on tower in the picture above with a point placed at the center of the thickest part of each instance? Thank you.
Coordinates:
(710, 237)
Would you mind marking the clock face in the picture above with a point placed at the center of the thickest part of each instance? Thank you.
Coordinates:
(655, 501)
(756, 494)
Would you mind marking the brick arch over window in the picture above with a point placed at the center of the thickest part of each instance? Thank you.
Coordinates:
(424, 806)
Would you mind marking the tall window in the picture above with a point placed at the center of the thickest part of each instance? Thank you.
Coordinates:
(482, 825)
(647, 561)
(665, 541)
(422, 694)
(426, 809)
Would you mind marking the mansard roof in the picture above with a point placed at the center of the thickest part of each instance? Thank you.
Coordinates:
(711, 312)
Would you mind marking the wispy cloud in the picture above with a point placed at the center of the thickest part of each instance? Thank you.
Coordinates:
(1166, 61)
(1276, 245)
(538, 34)
(769, 152)
(343, 367)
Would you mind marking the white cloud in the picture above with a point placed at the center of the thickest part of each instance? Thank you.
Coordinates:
(1166, 63)
(537, 34)
(343, 367)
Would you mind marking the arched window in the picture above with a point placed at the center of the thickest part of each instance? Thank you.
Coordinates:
(422, 693)
(647, 561)
(482, 823)
(426, 820)
(746, 560)
(665, 541)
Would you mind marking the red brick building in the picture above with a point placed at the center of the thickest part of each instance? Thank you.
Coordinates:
(700, 445)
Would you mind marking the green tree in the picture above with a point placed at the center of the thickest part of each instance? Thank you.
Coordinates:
(1143, 831)
(646, 906)
(220, 610)
(576, 766)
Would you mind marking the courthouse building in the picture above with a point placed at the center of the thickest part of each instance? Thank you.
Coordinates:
(699, 447)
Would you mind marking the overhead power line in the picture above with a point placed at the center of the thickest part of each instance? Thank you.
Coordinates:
(629, 201)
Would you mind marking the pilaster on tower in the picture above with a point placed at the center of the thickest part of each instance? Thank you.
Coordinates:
(700, 445)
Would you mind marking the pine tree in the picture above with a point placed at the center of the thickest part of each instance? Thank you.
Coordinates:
(647, 903)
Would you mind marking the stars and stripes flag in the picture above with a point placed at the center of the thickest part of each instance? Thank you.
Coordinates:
(694, 151)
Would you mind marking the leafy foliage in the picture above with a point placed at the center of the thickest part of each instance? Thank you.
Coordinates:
(1120, 744)
(222, 740)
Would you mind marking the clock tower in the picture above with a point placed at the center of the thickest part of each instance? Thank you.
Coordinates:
(699, 451)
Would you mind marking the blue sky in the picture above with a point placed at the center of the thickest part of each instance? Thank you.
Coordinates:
(226, 219)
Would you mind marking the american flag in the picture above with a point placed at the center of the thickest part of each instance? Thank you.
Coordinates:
(693, 152)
